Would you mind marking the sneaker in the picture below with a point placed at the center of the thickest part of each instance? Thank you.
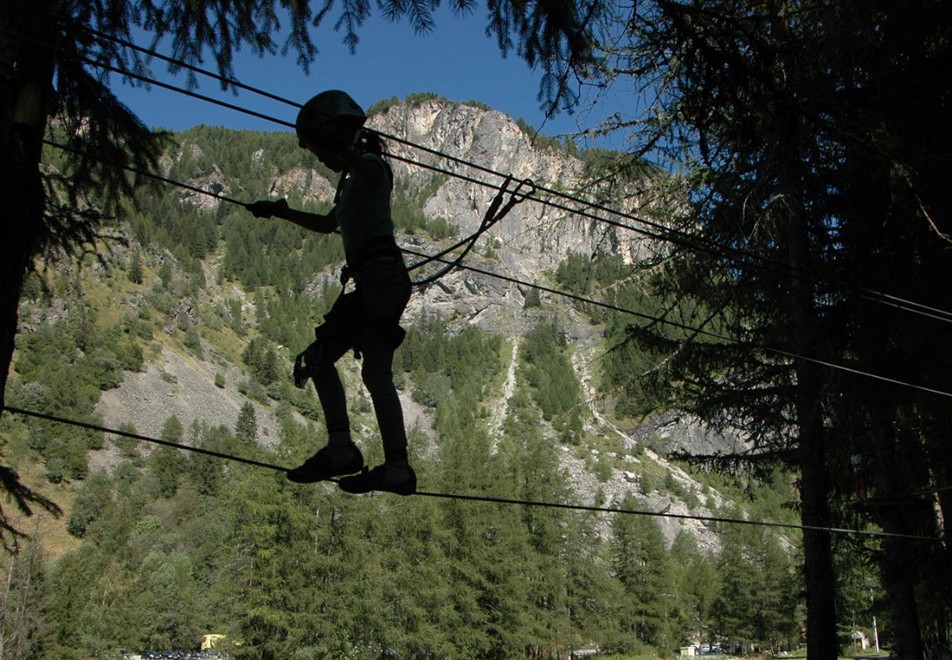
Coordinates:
(328, 462)
(399, 480)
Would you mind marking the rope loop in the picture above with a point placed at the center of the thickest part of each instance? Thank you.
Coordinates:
(493, 215)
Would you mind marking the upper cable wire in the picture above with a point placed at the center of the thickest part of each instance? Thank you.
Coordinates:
(588, 210)
(655, 230)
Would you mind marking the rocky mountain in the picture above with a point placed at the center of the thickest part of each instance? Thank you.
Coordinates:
(533, 237)
(611, 459)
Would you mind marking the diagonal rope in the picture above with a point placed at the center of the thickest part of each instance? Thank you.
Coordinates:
(665, 233)
(577, 298)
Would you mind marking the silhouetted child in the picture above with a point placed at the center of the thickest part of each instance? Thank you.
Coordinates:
(367, 320)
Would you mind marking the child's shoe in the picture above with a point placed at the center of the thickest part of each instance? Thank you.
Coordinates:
(389, 478)
(327, 463)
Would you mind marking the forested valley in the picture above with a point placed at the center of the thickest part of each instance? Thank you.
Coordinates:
(157, 547)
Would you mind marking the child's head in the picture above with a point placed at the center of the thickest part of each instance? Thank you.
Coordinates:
(329, 121)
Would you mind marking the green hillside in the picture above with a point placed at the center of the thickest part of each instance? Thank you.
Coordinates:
(158, 547)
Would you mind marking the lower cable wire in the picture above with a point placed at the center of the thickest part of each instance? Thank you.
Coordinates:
(479, 498)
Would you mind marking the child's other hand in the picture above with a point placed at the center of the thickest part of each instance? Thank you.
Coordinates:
(267, 208)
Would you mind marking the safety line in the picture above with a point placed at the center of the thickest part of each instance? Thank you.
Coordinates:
(698, 330)
(666, 233)
(187, 92)
(483, 498)
(571, 296)
(145, 173)
(492, 216)
(187, 66)
(674, 236)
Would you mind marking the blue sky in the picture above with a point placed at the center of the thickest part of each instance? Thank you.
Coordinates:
(456, 60)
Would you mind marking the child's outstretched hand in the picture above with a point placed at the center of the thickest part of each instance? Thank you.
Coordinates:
(267, 208)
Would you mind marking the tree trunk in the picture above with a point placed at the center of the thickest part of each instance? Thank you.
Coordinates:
(899, 580)
(21, 198)
(898, 562)
(815, 512)
(814, 488)
(940, 455)
(26, 83)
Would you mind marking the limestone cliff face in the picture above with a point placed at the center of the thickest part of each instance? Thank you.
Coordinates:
(534, 236)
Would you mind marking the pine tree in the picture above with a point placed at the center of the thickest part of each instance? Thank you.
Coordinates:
(167, 465)
(172, 429)
(135, 268)
(694, 585)
(640, 564)
(20, 613)
(246, 428)
(756, 604)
